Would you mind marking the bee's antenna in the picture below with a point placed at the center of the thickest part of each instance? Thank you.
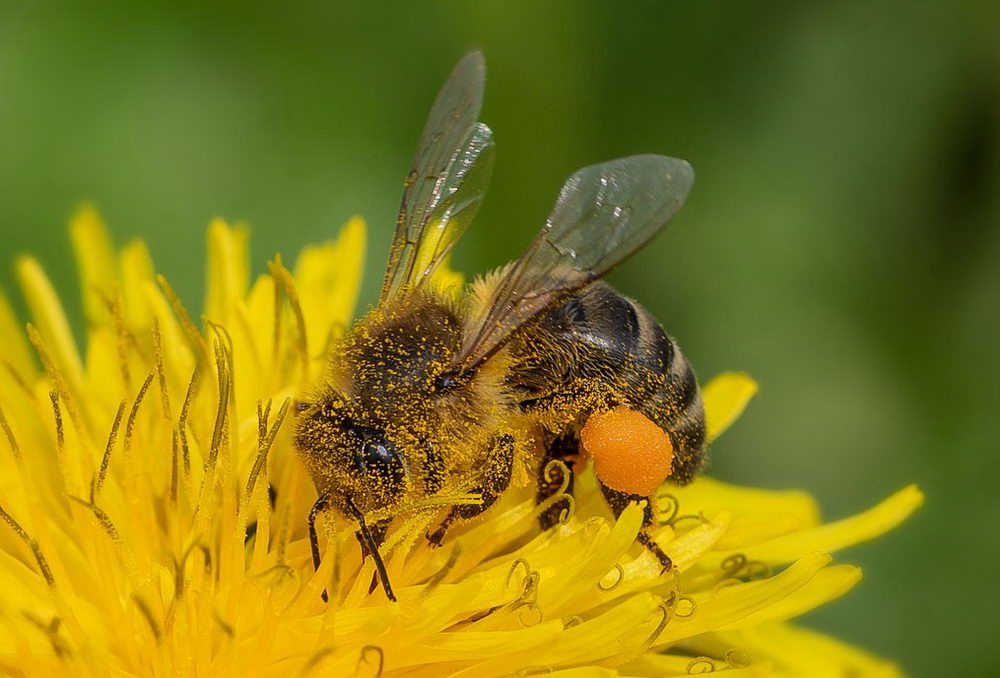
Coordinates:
(373, 549)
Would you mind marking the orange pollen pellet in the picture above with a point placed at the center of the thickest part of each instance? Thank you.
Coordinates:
(631, 454)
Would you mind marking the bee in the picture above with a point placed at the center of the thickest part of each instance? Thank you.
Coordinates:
(536, 365)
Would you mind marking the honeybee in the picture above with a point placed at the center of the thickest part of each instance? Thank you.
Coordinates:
(536, 363)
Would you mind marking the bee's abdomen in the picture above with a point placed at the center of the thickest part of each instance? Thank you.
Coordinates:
(600, 336)
(676, 403)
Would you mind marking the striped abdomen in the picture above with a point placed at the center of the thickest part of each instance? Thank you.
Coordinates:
(600, 348)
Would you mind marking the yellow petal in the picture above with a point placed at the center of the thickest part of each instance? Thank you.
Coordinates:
(754, 529)
(228, 269)
(829, 584)
(837, 535)
(327, 279)
(725, 398)
(796, 652)
(95, 260)
(732, 603)
(753, 508)
(178, 351)
(13, 344)
(658, 665)
(137, 272)
(50, 319)
(582, 672)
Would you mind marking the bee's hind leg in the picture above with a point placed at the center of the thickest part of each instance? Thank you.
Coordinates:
(496, 478)
(564, 448)
(617, 501)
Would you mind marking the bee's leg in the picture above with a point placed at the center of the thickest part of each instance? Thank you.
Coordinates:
(377, 531)
(366, 535)
(496, 477)
(563, 448)
(322, 503)
(617, 501)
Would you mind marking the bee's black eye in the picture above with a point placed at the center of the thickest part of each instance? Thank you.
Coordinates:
(378, 457)
(378, 452)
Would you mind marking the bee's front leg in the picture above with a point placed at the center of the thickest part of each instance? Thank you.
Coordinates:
(322, 504)
(377, 530)
(499, 464)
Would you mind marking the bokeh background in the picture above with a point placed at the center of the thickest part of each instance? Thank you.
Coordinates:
(842, 243)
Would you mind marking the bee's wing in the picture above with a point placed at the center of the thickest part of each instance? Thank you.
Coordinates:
(446, 184)
(604, 213)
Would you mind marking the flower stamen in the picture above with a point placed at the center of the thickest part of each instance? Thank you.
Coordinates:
(281, 274)
(161, 375)
(95, 487)
(182, 420)
(36, 551)
(195, 338)
(317, 657)
(103, 519)
(265, 445)
(737, 569)
(667, 612)
(147, 614)
(700, 665)
(57, 378)
(363, 659)
(51, 631)
(114, 306)
(134, 412)
(616, 583)
(11, 440)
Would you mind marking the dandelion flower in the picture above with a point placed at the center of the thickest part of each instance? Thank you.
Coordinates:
(141, 534)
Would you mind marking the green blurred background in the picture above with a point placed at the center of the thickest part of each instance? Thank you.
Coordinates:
(841, 244)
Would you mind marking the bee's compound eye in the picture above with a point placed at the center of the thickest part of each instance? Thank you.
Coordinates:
(377, 455)
(301, 406)
(631, 454)
(378, 452)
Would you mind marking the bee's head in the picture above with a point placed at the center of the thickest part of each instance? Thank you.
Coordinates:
(368, 435)
(349, 455)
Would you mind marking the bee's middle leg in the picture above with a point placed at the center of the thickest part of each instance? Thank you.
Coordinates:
(496, 478)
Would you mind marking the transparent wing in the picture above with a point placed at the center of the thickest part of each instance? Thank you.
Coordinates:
(604, 213)
(447, 181)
